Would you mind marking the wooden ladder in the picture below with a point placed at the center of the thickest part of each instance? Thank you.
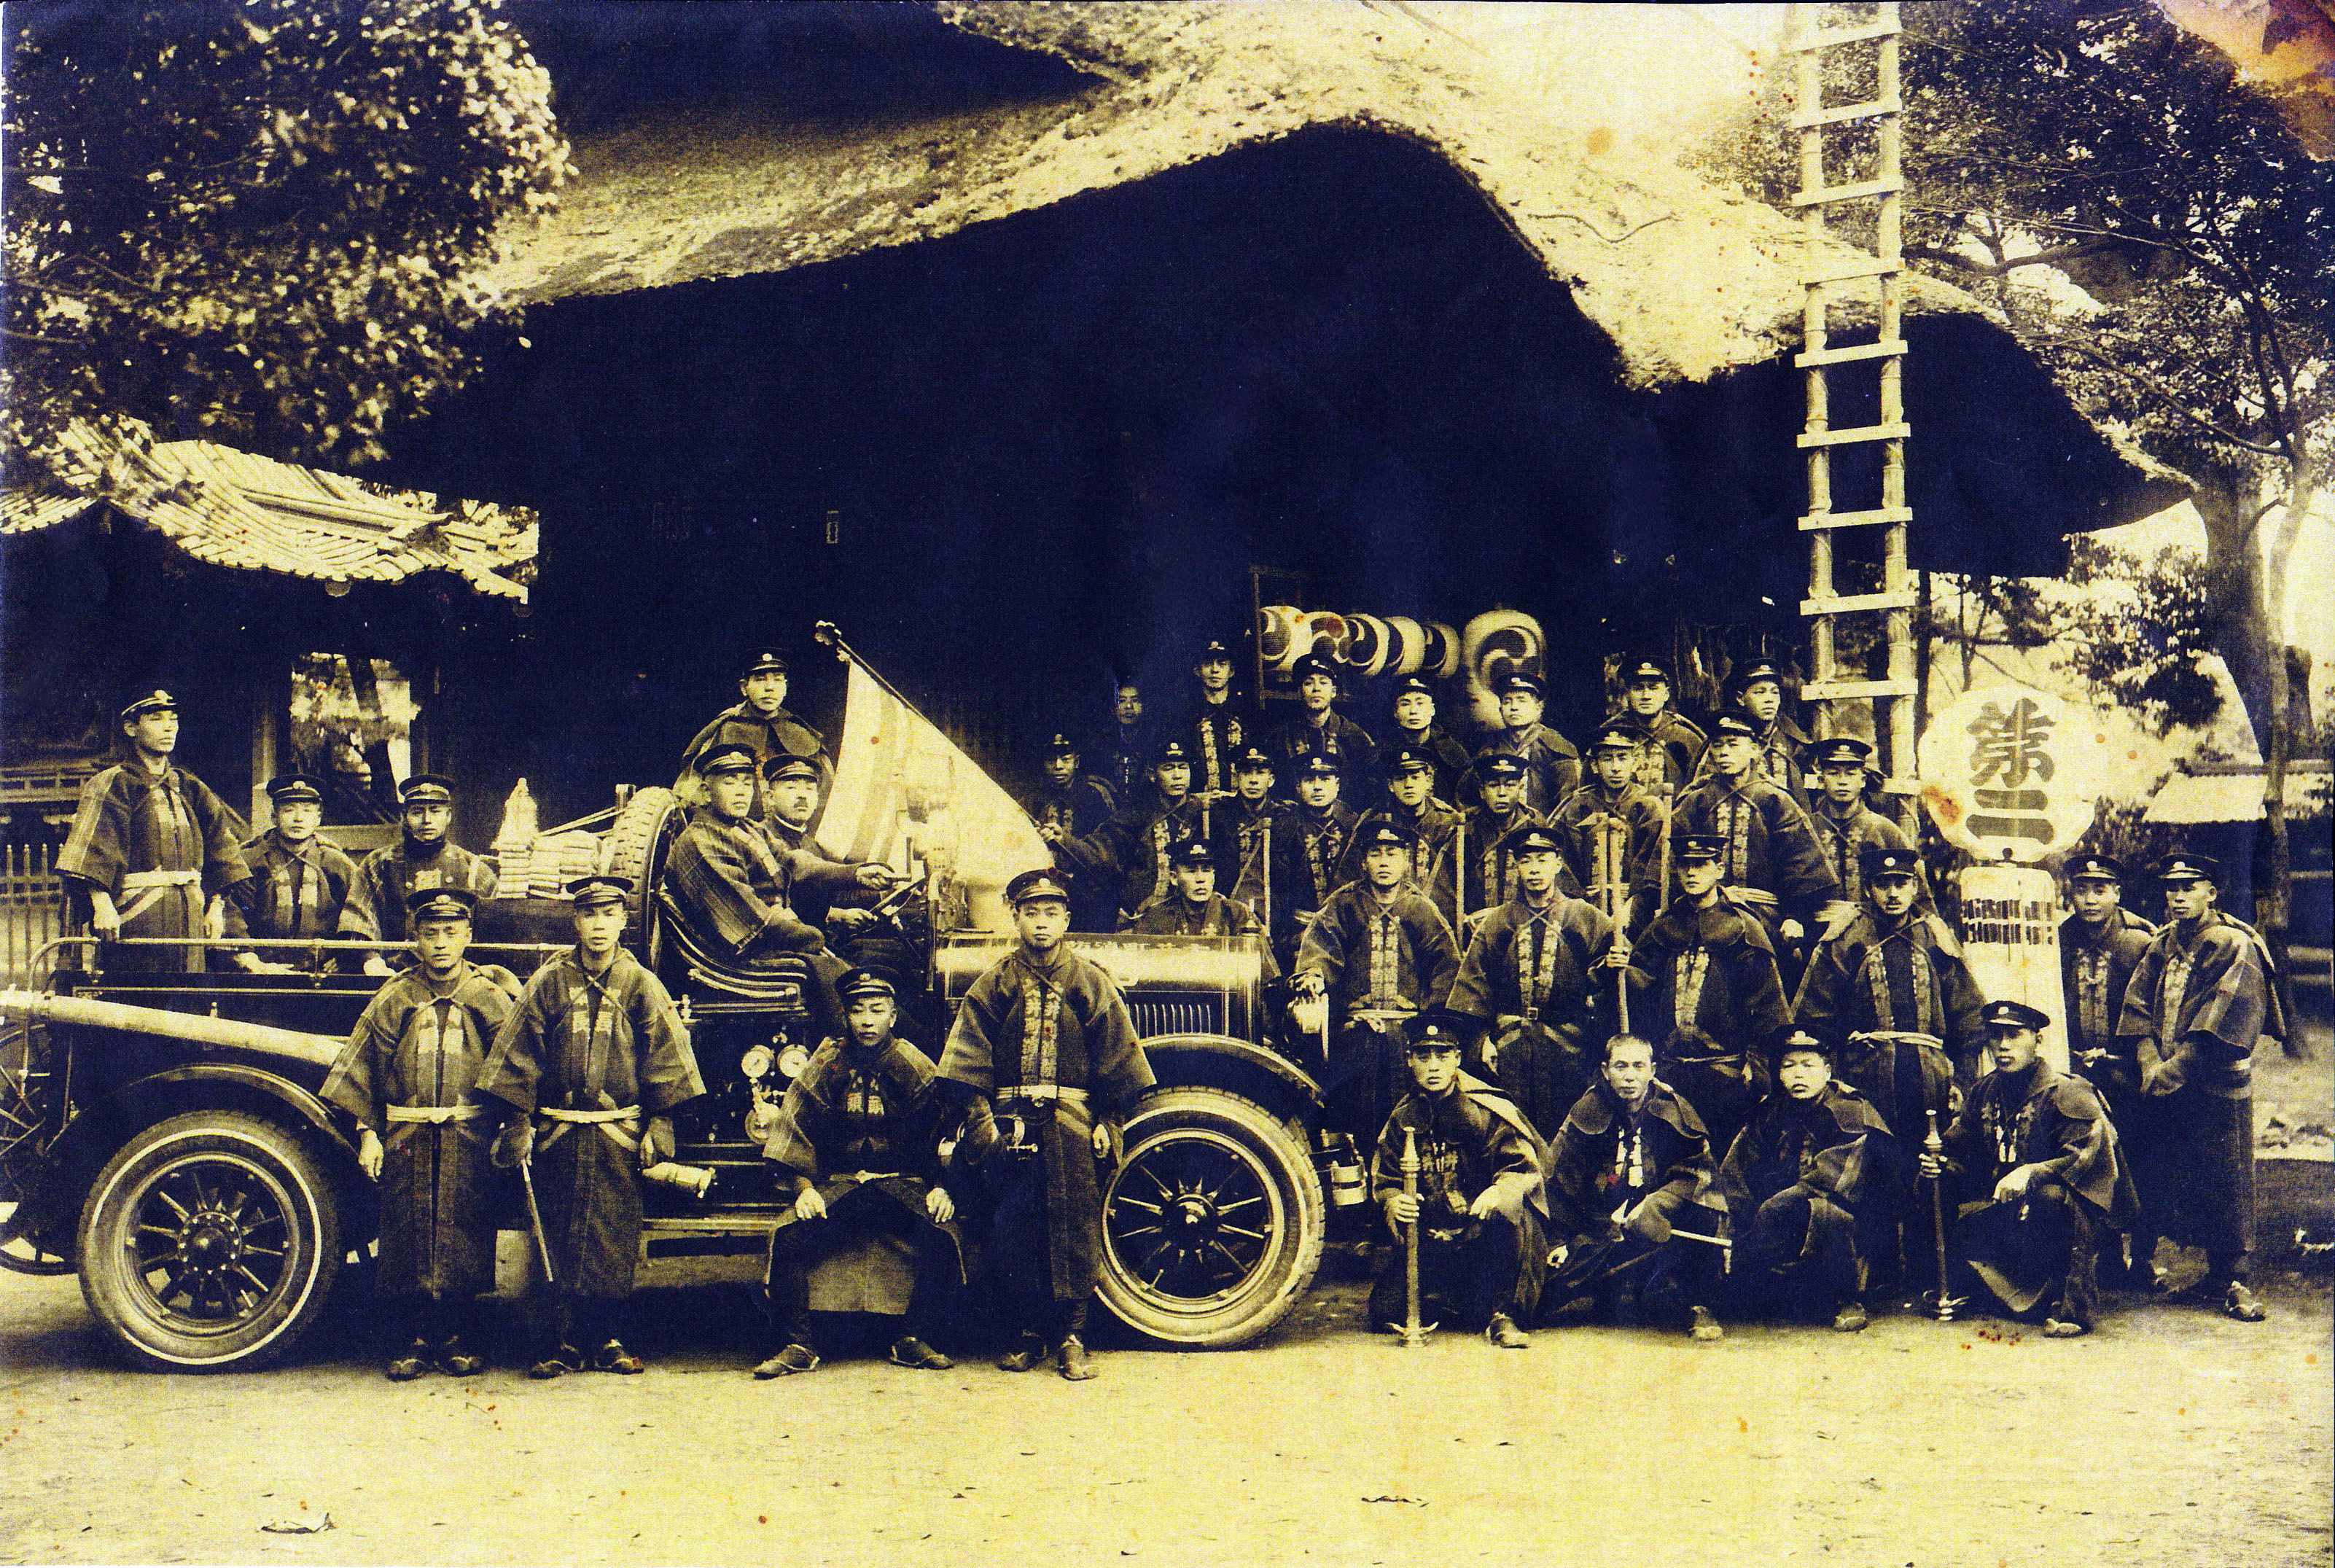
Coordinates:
(1810, 43)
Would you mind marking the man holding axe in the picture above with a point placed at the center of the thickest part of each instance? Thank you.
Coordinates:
(1468, 1237)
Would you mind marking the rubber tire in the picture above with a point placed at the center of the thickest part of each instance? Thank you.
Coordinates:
(1293, 1251)
(637, 843)
(313, 1253)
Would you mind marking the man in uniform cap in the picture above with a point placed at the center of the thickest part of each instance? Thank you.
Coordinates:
(2100, 944)
(406, 1076)
(2032, 1162)
(1272, 875)
(1479, 874)
(297, 885)
(1072, 803)
(1318, 730)
(1610, 827)
(1045, 1057)
(827, 893)
(1128, 853)
(1324, 826)
(856, 1140)
(1535, 980)
(1479, 1242)
(1377, 952)
(1773, 863)
(1192, 907)
(1626, 1190)
(592, 1063)
(1416, 727)
(1552, 763)
(1846, 826)
(422, 858)
(1648, 702)
(1705, 991)
(759, 720)
(1759, 688)
(1218, 725)
(2200, 1001)
(1801, 1182)
(733, 883)
(149, 846)
(1411, 802)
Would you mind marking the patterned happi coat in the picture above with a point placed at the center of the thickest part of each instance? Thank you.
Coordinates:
(1431, 826)
(1905, 974)
(1771, 844)
(1479, 868)
(1704, 988)
(582, 1043)
(1453, 765)
(1676, 755)
(159, 845)
(1216, 732)
(1779, 762)
(1051, 1043)
(294, 892)
(1834, 1152)
(734, 882)
(1471, 1141)
(1579, 825)
(2200, 999)
(1272, 876)
(2096, 969)
(1322, 839)
(1610, 1156)
(419, 1049)
(1395, 953)
(1552, 763)
(374, 910)
(1544, 969)
(1842, 838)
(1338, 738)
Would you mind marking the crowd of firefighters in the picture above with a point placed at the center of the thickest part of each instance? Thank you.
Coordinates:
(1642, 1034)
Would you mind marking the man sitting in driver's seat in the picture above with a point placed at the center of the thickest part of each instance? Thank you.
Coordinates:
(732, 882)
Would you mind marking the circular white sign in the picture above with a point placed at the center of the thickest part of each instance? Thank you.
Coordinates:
(2011, 773)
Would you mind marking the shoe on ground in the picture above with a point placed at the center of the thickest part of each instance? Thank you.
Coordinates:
(1579, 1310)
(1705, 1326)
(567, 1359)
(415, 1361)
(791, 1360)
(613, 1356)
(1028, 1351)
(908, 1351)
(456, 1360)
(2242, 1304)
(1070, 1355)
(1502, 1331)
(2064, 1329)
(1851, 1318)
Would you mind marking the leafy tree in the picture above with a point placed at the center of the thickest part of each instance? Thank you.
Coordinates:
(258, 221)
(2142, 636)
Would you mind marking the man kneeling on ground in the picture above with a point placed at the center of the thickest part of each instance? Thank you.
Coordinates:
(2034, 1155)
(1479, 1245)
(1627, 1189)
(857, 1133)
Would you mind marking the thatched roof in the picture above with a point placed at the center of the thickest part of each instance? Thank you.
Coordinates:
(1686, 279)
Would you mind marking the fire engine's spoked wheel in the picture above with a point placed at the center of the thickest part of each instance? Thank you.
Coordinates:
(1213, 1223)
(209, 1241)
(27, 1082)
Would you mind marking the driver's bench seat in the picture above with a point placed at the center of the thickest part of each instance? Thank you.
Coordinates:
(783, 984)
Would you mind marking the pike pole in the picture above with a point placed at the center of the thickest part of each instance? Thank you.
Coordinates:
(1932, 1144)
(1414, 1333)
(535, 1219)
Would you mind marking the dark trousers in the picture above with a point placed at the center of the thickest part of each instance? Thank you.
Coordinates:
(2036, 1255)
(799, 1247)
(586, 1322)
(431, 1320)
(2193, 1163)
(1021, 1252)
(1469, 1274)
(1800, 1251)
(1361, 1081)
(1633, 1281)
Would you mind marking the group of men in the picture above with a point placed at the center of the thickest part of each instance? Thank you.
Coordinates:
(1566, 1002)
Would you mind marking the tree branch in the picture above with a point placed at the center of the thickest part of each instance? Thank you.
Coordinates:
(2163, 393)
(1998, 270)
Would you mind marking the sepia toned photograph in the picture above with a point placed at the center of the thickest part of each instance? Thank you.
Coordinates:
(1187, 782)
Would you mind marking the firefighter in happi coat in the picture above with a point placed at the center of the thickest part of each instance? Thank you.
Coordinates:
(1773, 863)
(1415, 727)
(1802, 1182)
(1325, 827)
(856, 1137)
(424, 856)
(1479, 874)
(1704, 988)
(1627, 1195)
(2200, 1001)
(1846, 826)
(1318, 729)
(1536, 983)
(1481, 1248)
(1272, 875)
(1610, 826)
(1676, 742)
(2100, 944)
(1758, 689)
(1378, 952)
(1552, 763)
(592, 1063)
(1194, 908)
(407, 1076)
(1409, 780)
(2036, 1177)
(297, 885)
(1045, 1057)
(759, 721)
(1218, 725)
(148, 847)
(1128, 853)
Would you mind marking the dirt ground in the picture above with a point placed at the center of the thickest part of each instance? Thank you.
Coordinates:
(2172, 1435)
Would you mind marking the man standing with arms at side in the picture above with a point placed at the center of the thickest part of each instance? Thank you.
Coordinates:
(592, 1063)
(2201, 1000)
(2100, 944)
(1046, 1055)
(422, 858)
(149, 846)
(406, 1076)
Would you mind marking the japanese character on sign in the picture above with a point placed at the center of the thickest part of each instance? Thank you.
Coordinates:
(2011, 744)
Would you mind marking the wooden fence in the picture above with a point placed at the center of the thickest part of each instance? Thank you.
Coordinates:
(32, 909)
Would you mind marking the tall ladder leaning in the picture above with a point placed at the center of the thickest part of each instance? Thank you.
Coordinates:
(1809, 43)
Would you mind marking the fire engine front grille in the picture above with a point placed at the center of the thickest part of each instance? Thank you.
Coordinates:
(1156, 1015)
